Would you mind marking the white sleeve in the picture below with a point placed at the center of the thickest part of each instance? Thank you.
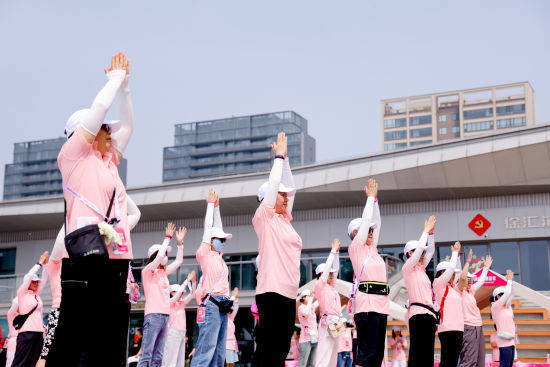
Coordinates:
(366, 218)
(160, 254)
(328, 266)
(376, 218)
(174, 265)
(217, 218)
(208, 221)
(507, 294)
(413, 260)
(275, 177)
(126, 117)
(448, 273)
(59, 251)
(94, 119)
(481, 279)
(133, 213)
(430, 250)
(288, 180)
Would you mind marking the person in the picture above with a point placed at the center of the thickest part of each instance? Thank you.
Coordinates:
(502, 313)
(371, 303)
(95, 286)
(157, 297)
(136, 346)
(280, 248)
(12, 335)
(174, 348)
(344, 349)
(472, 353)
(421, 315)
(329, 307)
(232, 348)
(294, 351)
(308, 333)
(495, 353)
(30, 334)
(449, 298)
(398, 344)
(214, 296)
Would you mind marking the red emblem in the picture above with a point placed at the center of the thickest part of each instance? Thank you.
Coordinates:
(479, 225)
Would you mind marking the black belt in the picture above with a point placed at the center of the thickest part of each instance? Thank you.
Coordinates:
(429, 308)
(379, 288)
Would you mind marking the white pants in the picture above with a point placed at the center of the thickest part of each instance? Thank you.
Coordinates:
(174, 349)
(9, 358)
(401, 363)
(327, 349)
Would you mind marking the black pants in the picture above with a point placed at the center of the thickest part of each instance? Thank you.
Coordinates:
(507, 356)
(29, 346)
(93, 316)
(451, 343)
(371, 337)
(277, 317)
(422, 337)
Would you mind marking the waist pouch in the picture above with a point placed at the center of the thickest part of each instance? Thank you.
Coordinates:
(379, 288)
(435, 313)
(224, 305)
(86, 242)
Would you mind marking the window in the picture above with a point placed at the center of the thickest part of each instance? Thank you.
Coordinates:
(442, 131)
(511, 110)
(394, 146)
(455, 129)
(474, 114)
(418, 133)
(455, 117)
(478, 126)
(534, 264)
(442, 118)
(420, 120)
(513, 122)
(420, 142)
(389, 124)
(505, 256)
(395, 135)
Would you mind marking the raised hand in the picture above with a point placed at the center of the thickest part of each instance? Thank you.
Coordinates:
(280, 146)
(429, 225)
(118, 62)
(371, 190)
(509, 275)
(456, 247)
(170, 229)
(488, 261)
(191, 276)
(212, 196)
(470, 254)
(180, 235)
(44, 258)
(335, 245)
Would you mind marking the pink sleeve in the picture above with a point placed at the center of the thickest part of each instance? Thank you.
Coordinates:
(76, 147)
(202, 251)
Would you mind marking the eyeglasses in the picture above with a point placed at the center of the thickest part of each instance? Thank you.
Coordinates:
(106, 128)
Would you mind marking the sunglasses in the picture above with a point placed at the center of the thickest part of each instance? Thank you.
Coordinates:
(222, 240)
(371, 230)
(106, 128)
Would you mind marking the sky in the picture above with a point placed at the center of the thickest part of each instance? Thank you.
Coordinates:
(330, 61)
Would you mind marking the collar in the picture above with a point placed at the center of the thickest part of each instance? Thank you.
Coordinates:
(109, 156)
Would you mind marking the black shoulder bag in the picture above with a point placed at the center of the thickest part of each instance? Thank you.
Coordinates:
(20, 320)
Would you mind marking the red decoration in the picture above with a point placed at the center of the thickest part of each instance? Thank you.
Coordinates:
(479, 224)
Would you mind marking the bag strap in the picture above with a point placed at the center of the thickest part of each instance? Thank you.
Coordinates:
(26, 316)
(111, 203)
(91, 205)
(65, 214)
(443, 303)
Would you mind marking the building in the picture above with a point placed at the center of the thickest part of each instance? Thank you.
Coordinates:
(34, 170)
(235, 145)
(504, 177)
(431, 118)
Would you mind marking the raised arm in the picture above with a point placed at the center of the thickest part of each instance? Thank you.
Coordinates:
(430, 250)
(170, 229)
(92, 121)
(209, 217)
(174, 265)
(448, 273)
(330, 260)
(288, 180)
(417, 253)
(376, 218)
(43, 279)
(59, 251)
(371, 191)
(27, 279)
(507, 296)
(191, 294)
(125, 115)
(133, 213)
(464, 274)
(276, 174)
(217, 215)
(483, 276)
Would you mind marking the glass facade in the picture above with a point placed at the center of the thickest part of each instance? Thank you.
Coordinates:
(419, 133)
(420, 120)
(478, 126)
(34, 170)
(235, 145)
(391, 123)
(512, 122)
(395, 135)
(420, 142)
(474, 114)
(511, 110)
(393, 146)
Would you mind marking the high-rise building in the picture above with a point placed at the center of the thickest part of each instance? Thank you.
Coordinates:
(431, 118)
(34, 170)
(235, 145)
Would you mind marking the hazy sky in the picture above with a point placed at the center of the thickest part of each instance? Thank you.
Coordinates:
(330, 61)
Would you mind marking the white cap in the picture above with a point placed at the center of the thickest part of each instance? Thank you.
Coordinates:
(174, 287)
(411, 246)
(305, 293)
(321, 267)
(444, 265)
(219, 233)
(355, 224)
(498, 290)
(282, 188)
(76, 119)
(35, 278)
(155, 248)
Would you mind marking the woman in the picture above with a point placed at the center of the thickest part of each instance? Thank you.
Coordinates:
(421, 314)
(308, 334)
(329, 307)
(174, 348)
(398, 344)
(449, 298)
(214, 296)
(12, 336)
(30, 335)
(96, 287)
(502, 313)
(371, 303)
(232, 348)
(280, 248)
(472, 353)
(157, 296)
(344, 349)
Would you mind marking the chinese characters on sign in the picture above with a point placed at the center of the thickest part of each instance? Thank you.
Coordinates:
(533, 221)
(479, 225)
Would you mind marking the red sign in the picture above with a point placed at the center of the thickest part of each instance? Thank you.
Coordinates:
(479, 225)
(492, 280)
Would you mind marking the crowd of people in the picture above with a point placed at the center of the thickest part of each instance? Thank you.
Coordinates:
(92, 283)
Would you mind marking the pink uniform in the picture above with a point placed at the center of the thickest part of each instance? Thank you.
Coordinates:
(94, 177)
(280, 247)
(54, 275)
(504, 320)
(452, 317)
(308, 321)
(177, 319)
(374, 270)
(27, 300)
(214, 272)
(157, 291)
(495, 353)
(472, 315)
(329, 299)
(345, 342)
(398, 349)
(231, 342)
(418, 286)
(12, 336)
